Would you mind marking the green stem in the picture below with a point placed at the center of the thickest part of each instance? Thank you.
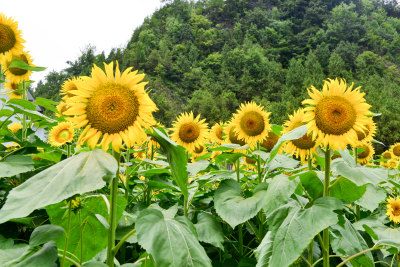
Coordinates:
(310, 252)
(240, 239)
(259, 164)
(357, 206)
(80, 236)
(325, 233)
(67, 234)
(310, 166)
(127, 176)
(68, 150)
(112, 222)
(24, 117)
(356, 255)
(121, 242)
(185, 206)
(68, 259)
(238, 170)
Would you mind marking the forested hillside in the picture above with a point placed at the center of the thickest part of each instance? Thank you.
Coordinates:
(209, 56)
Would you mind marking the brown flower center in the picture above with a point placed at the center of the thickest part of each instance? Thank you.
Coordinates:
(396, 150)
(18, 71)
(7, 38)
(112, 108)
(233, 137)
(189, 132)
(252, 123)
(365, 153)
(335, 115)
(396, 209)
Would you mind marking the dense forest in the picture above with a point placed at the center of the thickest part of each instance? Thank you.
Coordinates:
(211, 55)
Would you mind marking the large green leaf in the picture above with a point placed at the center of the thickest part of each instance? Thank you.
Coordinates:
(46, 257)
(347, 190)
(312, 184)
(264, 251)
(209, 230)
(79, 174)
(279, 191)
(292, 135)
(361, 175)
(347, 241)
(16, 63)
(233, 207)
(176, 157)
(372, 197)
(171, 242)
(94, 233)
(195, 167)
(294, 227)
(45, 233)
(15, 164)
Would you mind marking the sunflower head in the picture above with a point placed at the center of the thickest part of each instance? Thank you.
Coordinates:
(392, 164)
(113, 106)
(335, 114)
(270, 141)
(70, 85)
(251, 123)
(190, 132)
(302, 146)
(10, 36)
(231, 135)
(17, 75)
(368, 134)
(393, 209)
(395, 149)
(61, 134)
(216, 134)
(367, 154)
(15, 127)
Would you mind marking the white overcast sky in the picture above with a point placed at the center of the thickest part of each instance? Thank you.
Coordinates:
(56, 31)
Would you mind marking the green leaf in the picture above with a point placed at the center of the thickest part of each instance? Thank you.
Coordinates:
(292, 135)
(46, 257)
(33, 114)
(346, 240)
(16, 63)
(79, 174)
(294, 228)
(23, 103)
(361, 175)
(209, 230)
(45, 233)
(230, 157)
(171, 242)
(312, 184)
(264, 251)
(15, 164)
(233, 207)
(279, 191)
(54, 156)
(93, 231)
(372, 197)
(228, 147)
(195, 167)
(349, 159)
(46, 103)
(176, 157)
(282, 161)
(347, 190)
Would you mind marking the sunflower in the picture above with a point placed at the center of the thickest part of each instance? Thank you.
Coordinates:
(15, 127)
(251, 123)
(197, 152)
(335, 114)
(393, 209)
(61, 134)
(70, 85)
(270, 141)
(115, 106)
(367, 154)
(368, 134)
(216, 133)
(61, 108)
(190, 132)
(395, 150)
(302, 146)
(231, 135)
(387, 155)
(10, 36)
(392, 164)
(17, 75)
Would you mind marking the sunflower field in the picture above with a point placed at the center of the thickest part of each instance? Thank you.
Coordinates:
(111, 186)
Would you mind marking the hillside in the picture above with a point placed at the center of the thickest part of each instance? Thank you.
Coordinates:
(209, 56)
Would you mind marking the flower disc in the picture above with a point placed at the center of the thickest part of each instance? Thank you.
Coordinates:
(190, 132)
(334, 114)
(367, 154)
(17, 75)
(270, 141)
(393, 209)
(395, 149)
(393, 164)
(112, 105)
(251, 123)
(61, 134)
(232, 136)
(217, 133)
(10, 36)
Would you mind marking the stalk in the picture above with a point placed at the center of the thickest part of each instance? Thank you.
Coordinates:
(67, 235)
(357, 206)
(240, 228)
(310, 252)
(259, 164)
(80, 236)
(112, 222)
(325, 233)
(24, 117)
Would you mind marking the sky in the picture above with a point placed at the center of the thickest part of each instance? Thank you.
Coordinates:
(57, 31)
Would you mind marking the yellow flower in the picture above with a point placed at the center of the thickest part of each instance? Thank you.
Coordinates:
(197, 152)
(251, 123)
(368, 134)
(61, 134)
(17, 75)
(231, 135)
(395, 150)
(393, 209)
(61, 108)
(387, 155)
(393, 164)
(10, 36)
(270, 141)
(367, 154)
(216, 133)
(15, 127)
(300, 147)
(70, 85)
(115, 106)
(190, 132)
(334, 114)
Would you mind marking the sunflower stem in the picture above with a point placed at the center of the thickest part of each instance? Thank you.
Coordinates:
(24, 117)
(259, 164)
(80, 236)
(310, 252)
(185, 204)
(240, 228)
(325, 233)
(112, 222)
(357, 206)
(310, 166)
(67, 234)
(127, 176)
